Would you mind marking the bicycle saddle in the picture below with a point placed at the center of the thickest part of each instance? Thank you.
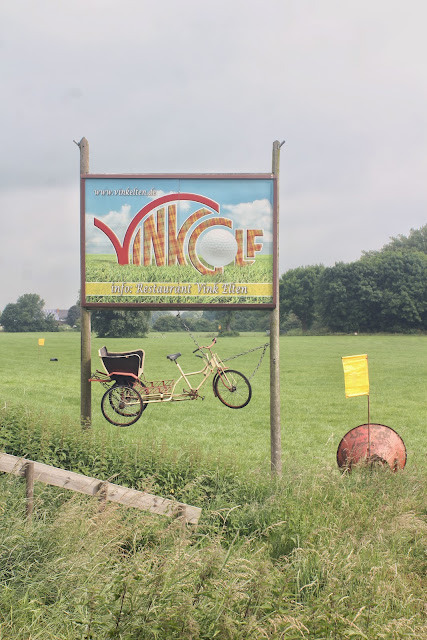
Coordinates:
(173, 356)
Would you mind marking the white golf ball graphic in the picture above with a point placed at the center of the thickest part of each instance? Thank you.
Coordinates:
(217, 247)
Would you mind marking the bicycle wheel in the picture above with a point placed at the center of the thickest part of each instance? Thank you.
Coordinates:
(122, 405)
(233, 389)
(116, 405)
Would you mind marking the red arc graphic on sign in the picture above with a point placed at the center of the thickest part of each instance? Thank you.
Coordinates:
(122, 250)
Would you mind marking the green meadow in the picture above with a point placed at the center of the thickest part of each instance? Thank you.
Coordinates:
(313, 555)
(314, 411)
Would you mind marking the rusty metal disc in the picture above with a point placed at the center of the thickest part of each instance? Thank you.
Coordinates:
(373, 444)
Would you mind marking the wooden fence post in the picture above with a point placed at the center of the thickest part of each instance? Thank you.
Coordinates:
(29, 489)
(102, 495)
(103, 489)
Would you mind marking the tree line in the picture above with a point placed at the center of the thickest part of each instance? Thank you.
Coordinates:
(383, 291)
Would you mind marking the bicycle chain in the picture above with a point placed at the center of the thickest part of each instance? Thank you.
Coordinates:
(264, 347)
(187, 329)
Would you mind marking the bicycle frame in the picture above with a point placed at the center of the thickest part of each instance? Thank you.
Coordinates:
(213, 364)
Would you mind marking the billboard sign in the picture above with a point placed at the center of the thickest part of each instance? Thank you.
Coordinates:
(178, 241)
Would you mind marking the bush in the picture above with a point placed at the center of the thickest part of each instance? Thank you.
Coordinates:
(27, 315)
(120, 323)
(168, 323)
(228, 334)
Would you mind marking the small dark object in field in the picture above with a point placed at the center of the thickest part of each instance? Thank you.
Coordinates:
(54, 359)
(372, 444)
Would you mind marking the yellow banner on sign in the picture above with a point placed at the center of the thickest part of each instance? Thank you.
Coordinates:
(356, 376)
(41, 342)
(158, 289)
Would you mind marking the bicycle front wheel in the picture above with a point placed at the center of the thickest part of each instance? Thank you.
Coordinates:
(233, 389)
(122, 405)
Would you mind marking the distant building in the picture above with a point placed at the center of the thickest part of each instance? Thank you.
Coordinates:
(60, 315)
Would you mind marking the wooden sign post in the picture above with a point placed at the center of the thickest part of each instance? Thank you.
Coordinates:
(85, 327)
(275, 429)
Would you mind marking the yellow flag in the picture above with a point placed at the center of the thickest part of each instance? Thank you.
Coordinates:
(41, 342)
(356, 376)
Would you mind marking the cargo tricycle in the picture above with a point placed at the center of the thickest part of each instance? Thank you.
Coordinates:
(129, 392)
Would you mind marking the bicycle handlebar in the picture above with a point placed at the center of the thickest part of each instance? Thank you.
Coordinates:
(209, 347)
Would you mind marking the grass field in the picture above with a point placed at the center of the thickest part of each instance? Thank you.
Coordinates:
(315, 413)
(316, 555)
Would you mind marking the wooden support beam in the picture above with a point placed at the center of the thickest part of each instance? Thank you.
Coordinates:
(28, 470)
(85, 314)
(93, 487)
(275, 426)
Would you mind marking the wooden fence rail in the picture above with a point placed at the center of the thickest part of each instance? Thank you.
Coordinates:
(36, 471)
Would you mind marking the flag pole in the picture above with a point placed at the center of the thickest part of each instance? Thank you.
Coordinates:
(369, 429)
(356, 380)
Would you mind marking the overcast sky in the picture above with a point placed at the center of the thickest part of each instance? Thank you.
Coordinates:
(188, 86)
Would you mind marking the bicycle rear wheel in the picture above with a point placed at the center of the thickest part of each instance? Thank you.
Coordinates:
(122, 405)
(233, 389)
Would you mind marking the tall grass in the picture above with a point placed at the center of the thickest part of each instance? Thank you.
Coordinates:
(307, 569)
(313, 555)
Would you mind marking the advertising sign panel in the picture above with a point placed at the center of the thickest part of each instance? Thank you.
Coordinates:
(178, 241)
